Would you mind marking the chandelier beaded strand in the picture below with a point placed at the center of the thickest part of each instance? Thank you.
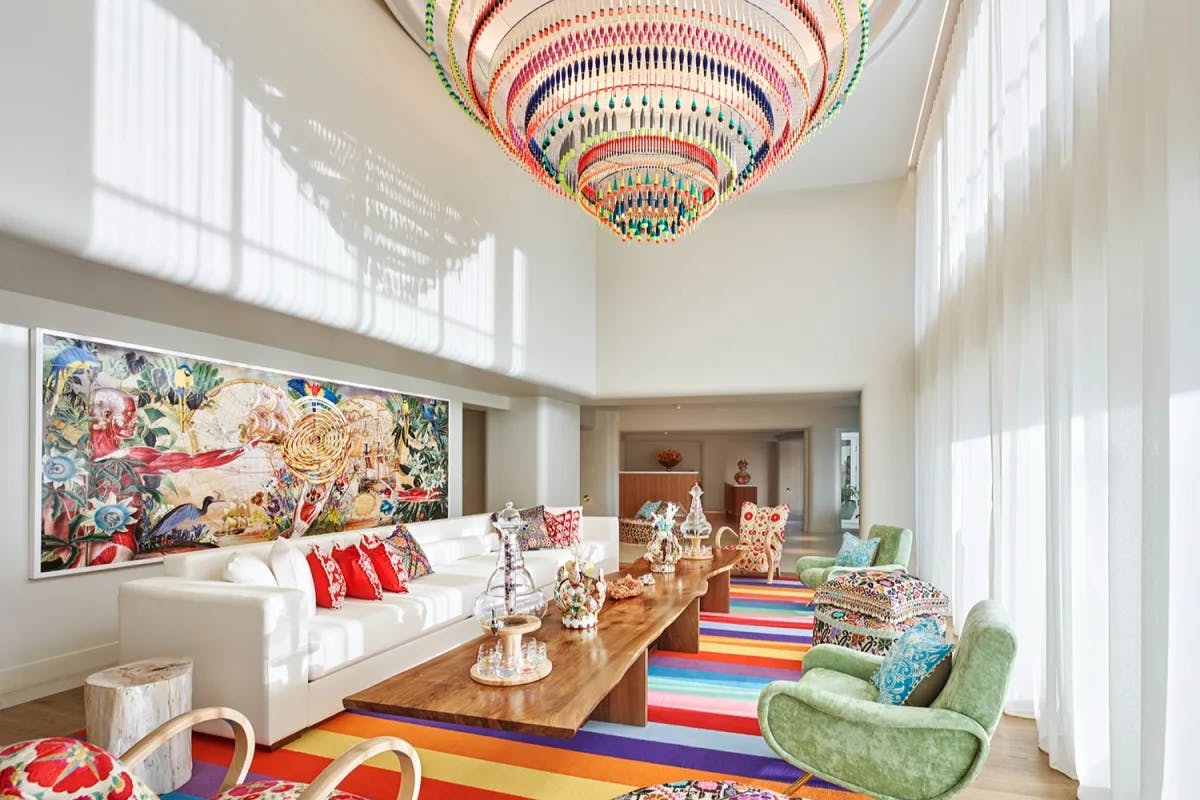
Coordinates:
(649, 113)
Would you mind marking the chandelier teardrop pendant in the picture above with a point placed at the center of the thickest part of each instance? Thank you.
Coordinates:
(649, 113)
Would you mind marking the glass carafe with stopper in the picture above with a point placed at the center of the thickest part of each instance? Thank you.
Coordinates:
(510, 588)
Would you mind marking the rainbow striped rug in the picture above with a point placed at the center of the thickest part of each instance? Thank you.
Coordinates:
(703, 724)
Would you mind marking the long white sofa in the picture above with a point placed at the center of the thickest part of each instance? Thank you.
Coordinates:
(265, 652)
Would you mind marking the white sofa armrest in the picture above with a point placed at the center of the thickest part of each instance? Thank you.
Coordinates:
(249, 645)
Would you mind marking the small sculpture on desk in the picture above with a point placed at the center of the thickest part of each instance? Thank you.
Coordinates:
(696, 528)
(664, 550)
(742, 477)
(580, 592)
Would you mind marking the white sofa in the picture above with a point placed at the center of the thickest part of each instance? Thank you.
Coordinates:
(262, 651)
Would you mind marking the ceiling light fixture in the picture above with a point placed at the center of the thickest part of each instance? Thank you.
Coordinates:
(649, 113)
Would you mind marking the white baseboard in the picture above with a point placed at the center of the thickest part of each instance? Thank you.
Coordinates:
(36, 679)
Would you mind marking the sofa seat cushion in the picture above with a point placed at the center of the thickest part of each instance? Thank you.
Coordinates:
(841, 684)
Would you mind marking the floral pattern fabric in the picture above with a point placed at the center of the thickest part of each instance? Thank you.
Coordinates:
(416, 563)
(532, 535)
(563, 528)
(703, 790)
(66, 769)
(916, 657)
(860, 632)
(276, 790)
(389, 566)
(635, 531)
(886, 596)
(362, 581)
(856, 552)
(760, 533)
(328, 580)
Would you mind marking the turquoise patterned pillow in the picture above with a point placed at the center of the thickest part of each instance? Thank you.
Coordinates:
(648, 509)
(856, 552)
(916, 668)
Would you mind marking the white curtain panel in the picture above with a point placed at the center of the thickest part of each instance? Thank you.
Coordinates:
(1058, 369)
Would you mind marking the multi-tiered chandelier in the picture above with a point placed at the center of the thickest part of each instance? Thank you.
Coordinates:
(648, 112)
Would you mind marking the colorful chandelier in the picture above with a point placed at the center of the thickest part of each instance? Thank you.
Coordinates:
(649, 113)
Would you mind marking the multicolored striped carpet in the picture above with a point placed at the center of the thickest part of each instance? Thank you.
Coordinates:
(703, 723)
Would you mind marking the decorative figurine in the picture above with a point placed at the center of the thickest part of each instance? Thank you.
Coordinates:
(696, 528)
(664, 549)
(742, 477)
(580, 592)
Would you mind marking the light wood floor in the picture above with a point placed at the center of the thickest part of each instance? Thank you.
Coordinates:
(1016, 769)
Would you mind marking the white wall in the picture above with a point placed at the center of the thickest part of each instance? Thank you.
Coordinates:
(295, 157)
(67, 626)
(533, 453)
(802, 292)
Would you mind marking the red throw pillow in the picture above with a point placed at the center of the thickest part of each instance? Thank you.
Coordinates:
(361, 579)
(563, 528)
(389, 566)
(328, 579)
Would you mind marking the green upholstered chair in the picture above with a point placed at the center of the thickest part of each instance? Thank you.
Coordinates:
(895, 548)
(830, 723)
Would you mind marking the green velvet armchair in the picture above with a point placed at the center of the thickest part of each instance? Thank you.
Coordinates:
(830, 724)
(895, 548)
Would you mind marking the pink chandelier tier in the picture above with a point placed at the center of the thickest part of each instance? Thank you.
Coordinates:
(649, 114)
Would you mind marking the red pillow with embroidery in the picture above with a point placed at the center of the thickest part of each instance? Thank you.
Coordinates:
(361, 579)
(563, 528)
(328, 579)
(389, 566)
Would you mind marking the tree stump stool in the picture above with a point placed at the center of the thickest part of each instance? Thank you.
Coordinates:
(125, 703)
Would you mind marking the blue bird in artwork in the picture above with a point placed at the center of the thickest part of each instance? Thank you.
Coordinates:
(178, 516)
(312, 389)
(427, 412)
(70, 360)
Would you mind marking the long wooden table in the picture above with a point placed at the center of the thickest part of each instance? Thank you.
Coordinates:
(598, 673)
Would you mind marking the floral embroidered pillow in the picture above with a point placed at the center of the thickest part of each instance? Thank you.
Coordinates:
(532, 535)
(563, 528)
(66, 769)
(416, 563)
(328, 580)
(648, 509)
(856, 552)
(389, 566)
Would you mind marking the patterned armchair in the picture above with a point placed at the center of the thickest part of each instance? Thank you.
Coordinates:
(71, 769)
(761, 531)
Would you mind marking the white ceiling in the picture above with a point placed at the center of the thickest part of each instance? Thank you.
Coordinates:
(872, 136)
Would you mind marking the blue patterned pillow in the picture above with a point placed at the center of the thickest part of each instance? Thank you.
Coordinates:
(648, 509)
(856, 552)
(917, 667)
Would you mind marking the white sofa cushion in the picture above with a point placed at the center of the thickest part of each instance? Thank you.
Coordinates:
(291, 570)
(248, 569)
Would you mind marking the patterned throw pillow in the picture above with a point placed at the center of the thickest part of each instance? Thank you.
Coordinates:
(916, 669)
(328, 580)
(532, 535)
(393, 575)
(760, 531)
(66, 769)
(416, 563)
(648, 509)
(860, 632)
(361, 579)
(856, 552)
(277, 790)
(886, 596)
(563, 528)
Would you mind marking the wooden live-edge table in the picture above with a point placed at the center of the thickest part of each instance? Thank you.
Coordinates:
(598, 673)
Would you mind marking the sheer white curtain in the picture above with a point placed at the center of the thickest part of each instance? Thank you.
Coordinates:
(1058, 369)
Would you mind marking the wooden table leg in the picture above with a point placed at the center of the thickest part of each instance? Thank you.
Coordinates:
(626, 703)
(717, 598)
(683, 635)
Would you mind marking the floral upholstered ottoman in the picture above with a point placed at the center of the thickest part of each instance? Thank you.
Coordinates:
(703, 790)
(867, 611)
(635, 530)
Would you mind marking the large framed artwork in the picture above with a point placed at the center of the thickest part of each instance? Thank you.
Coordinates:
(142, 452)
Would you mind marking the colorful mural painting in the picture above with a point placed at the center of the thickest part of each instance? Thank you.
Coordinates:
(145, 452)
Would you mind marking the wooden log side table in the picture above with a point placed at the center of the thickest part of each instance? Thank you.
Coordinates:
(123, 704)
